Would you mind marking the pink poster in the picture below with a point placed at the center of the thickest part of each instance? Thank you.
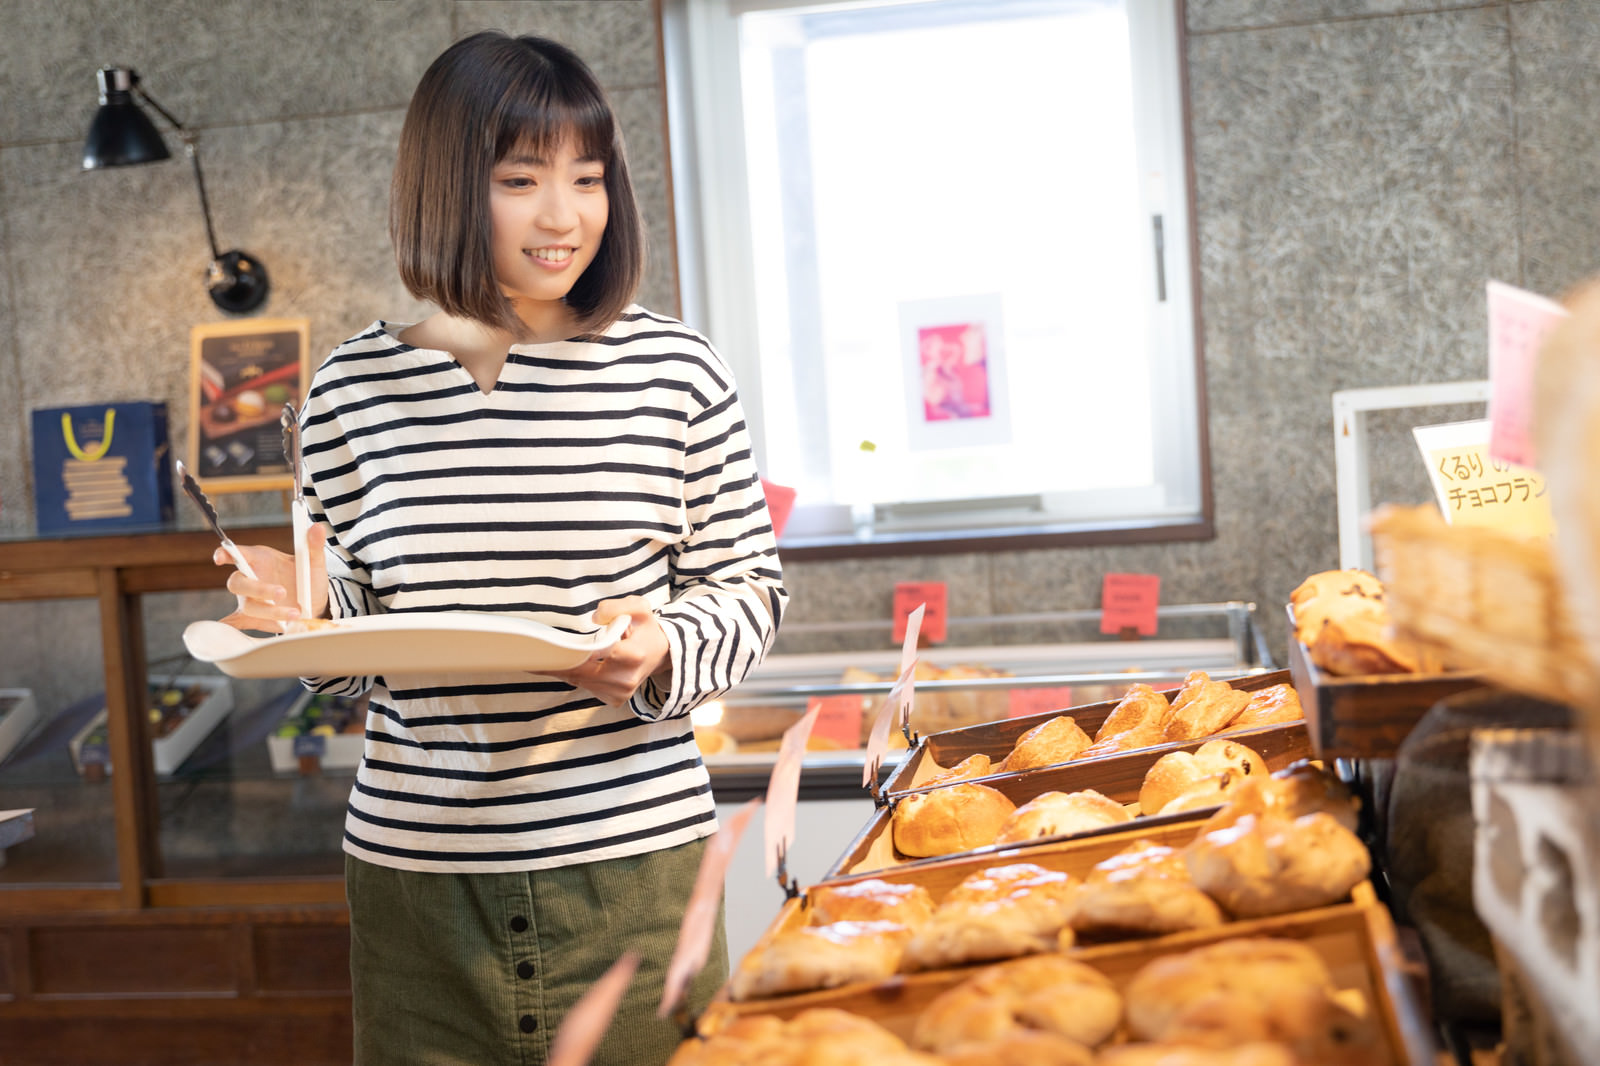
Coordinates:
(955, 371)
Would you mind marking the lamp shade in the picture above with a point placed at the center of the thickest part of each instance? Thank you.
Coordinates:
(121, 133)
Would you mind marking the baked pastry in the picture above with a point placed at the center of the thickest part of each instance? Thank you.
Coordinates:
(1248, 990)
(1264, 865)
(1269, 706)
(1051, 993)
(869, 901)
(819, 1035)
(1329, 584)
(998, 913)
(1052, 814)
(1032, 1046)
(1341, 618)
(1291, 792)
(948, 819)
(1143, 890)
(972, 766)
(820, 956)
(1253, 1054)
(713, 741)
(1143, 735)
(1203, 707)
(1057, 741)
(1213, 791)
(1141, 706)
(1178, 771)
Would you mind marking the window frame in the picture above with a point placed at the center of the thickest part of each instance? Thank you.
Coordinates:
(714, 256)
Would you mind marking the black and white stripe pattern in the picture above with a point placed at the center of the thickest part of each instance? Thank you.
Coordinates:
(593, 470)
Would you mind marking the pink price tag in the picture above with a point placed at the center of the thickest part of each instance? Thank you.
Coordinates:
(934, 598)
(783, 787)
(839, 718)
(908, 635)
(780, 501)
(1021, 702)
(888, 715)
(700, 916)
(1129, 601)
(586, 1023)
(1519, 323)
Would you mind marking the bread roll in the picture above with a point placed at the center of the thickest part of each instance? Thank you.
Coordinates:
(1143, 890)
(1253, 1054)
(819, 1036)
(1142, 706)
(1060, 814)
(1178, 771)
(1332, 583)
(1289, 793)
(1213, 791)
(1267, 865)
(820, 956)
(1247, 990)
(869, 901)
(977, 765)
(1269, 706)
(948, 819)
(1044, 992)
(1029, 1046)
(1057, 741)
(998, 913)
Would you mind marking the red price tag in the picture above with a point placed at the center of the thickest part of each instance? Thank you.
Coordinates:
(1129, 601)
(1025, 701)
(934, 596)
(839, 718)
(780, 501)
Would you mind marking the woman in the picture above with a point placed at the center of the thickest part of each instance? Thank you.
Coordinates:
(540, 446)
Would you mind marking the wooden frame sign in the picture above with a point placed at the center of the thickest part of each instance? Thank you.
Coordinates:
(240, 376)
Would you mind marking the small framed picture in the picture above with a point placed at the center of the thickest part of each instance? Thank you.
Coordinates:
(953, 359)
(240, 376)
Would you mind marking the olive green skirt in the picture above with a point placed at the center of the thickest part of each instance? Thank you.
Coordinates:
(480, 968)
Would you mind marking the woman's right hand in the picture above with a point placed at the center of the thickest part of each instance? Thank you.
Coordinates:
(267, 601)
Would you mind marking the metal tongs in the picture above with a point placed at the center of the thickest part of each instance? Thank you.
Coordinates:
(197, 494)
(300, 517)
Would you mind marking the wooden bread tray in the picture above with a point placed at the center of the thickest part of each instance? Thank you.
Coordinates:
(1356, 940)
(1366, 717)
(1117, 776)
(938, 751)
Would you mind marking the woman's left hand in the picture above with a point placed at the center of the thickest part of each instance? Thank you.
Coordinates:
(616, 673)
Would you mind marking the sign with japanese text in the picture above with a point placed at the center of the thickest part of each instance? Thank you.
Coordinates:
(1519, 322)
(1477, 490)
(1129, 601)
(839, 718)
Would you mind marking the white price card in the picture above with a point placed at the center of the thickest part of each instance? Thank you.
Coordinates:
(586, 1023)
(783, 788)
(700, 916)
(1475, 489)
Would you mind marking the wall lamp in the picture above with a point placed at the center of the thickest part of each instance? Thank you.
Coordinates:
(123, 135)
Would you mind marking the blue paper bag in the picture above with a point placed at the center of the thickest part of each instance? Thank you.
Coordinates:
(102, 467)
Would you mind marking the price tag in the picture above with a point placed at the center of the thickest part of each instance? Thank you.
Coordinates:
(934, 598)
(586, 1023)
(310, 744)
(1129, 601)
(1022, 702)
(888, 714)
(1519, 322)
(1475, 489)
(700, 916)
(783, 787)
(780, 501)
(839, 718)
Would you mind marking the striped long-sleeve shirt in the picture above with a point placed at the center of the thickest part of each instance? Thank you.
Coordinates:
(593, 470)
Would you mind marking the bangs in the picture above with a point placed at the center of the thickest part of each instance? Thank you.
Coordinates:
(537, 117)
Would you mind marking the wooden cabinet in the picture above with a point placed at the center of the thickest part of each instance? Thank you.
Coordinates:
(160, 961)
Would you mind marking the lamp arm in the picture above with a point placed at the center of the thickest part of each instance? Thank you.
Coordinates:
(193, 152)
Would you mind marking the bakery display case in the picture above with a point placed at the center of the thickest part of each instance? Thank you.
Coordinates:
(991, 669)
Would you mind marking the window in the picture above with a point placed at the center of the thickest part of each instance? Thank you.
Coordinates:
(945, 245)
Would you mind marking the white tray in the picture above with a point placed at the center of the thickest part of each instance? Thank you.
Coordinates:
(390, 644)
